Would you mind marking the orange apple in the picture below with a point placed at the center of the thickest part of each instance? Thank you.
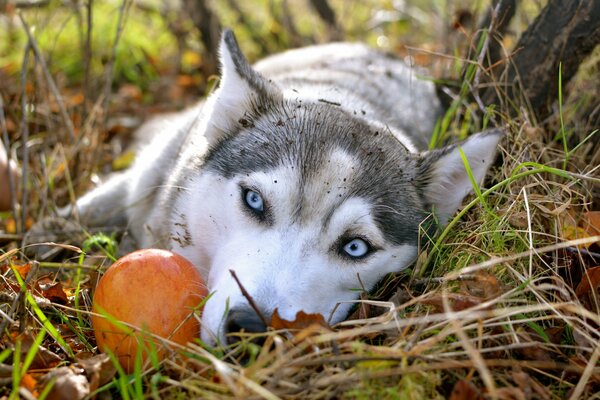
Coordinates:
(155, 291)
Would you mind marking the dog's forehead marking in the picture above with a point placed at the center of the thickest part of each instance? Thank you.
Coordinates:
(311, 140)
(303, 196)
(327, 187)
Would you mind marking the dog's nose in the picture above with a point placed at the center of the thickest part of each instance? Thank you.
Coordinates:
(243, 320)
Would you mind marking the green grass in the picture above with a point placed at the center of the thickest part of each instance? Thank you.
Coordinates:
(59, 31)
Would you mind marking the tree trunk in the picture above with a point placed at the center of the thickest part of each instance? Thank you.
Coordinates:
(565, 32)
(209, 26)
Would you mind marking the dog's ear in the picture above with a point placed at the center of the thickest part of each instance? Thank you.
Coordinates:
(241, 92)
(443, 178)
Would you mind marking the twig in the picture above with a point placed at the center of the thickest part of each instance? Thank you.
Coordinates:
(586, 375)
(24, 139)
(583, 251)
(19, 296)
(113, 55)
(11, 180)
(480, 58)
(249, 298)
(327, 15)
(87, 55)
(251, 29)
(51, 84)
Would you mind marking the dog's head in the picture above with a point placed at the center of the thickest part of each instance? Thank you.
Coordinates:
(307, 204)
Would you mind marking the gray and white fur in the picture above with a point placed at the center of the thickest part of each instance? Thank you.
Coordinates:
(306, 174)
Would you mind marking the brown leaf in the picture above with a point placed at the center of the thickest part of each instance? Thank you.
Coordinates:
(22, 270)
(69, 383)
(530, 385)
(29, 383)
(130, 92)
(536, 351)
(463, 390)
(456, 302)
(483, 285)
(591, 223)
(590, 280)
(43, 358)
(98, 369)
(55, 293)
(303, 320)
(587, 289)
(555, 334)
(580, 226)
(463, 20)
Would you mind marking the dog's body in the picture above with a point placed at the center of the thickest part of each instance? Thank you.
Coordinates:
(305, 178)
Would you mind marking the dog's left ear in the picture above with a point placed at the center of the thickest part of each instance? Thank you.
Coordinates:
(241, 91)
(442, 175)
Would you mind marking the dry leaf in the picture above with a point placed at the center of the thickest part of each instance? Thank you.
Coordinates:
(530, 385)
(55, 293)
(483, 285)
(463, 390)
(591, 223)
(98, 369)
(590, 280)
(588, 226)
(22, 270)
(69, 383)
(587, 290)
(29, 383)
(43, 358)
(303, 320)
(457, 302)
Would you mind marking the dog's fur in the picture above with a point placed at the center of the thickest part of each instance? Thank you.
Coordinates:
(306, 175)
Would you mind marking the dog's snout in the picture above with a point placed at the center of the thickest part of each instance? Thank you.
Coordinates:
(242, 320)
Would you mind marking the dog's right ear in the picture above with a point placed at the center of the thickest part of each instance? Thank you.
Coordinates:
(241, 92)
(442, 175)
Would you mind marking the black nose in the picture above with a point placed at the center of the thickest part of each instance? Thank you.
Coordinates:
(242, 320)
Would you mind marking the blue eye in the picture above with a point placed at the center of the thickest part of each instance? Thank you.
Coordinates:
(357, 248)
(254, 200)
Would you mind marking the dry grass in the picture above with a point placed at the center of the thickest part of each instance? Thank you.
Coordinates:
(493, 308)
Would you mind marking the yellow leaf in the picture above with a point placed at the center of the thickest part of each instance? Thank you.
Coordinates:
(123, 161)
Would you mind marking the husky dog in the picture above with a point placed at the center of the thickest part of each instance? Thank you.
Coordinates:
(306, 174)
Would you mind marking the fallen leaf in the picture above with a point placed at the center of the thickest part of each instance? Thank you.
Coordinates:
(555, 334)
(587, 225)
(590, 280)
(22, 270)
(303, 320)
(463, 390)
(43, 358)
(75, 99)
(587, 289)
(55, 293)
(483, 285)
(457, 302)
(10, 225)
(536, 351)
(186, 80)
(591, 223)
(530, 385)
(69, 383)
(463, 20)
(29, 383)
(98, 369)
(132, 92)
(123, 161)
